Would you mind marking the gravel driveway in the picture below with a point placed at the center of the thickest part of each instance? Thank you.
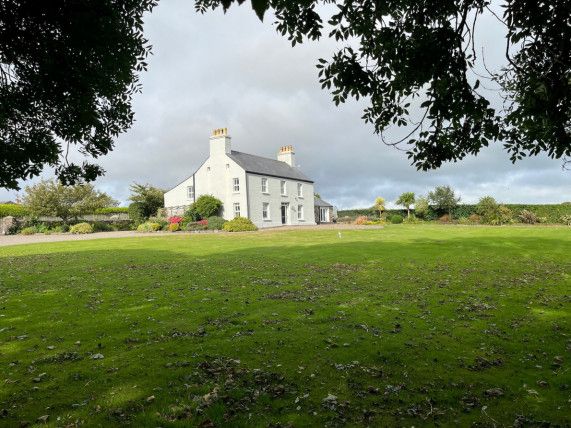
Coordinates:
(6, 240)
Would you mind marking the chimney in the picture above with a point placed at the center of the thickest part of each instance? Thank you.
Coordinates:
(287, 155)
(220, 142)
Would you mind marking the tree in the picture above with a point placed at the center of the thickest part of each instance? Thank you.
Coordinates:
(52, 198)
(488, 209)
(206, 206)
(379, 205)
(444, 199)
(406, 200)
(421, 207)
(420, 56)
(68, 72)
(146, 199)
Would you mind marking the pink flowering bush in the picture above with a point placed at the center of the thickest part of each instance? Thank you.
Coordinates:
(203, 222)
(175, 219)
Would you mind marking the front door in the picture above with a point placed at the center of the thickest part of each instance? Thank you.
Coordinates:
(284, 213)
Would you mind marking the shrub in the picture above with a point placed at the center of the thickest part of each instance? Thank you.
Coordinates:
(445, 219)
(412, 219)
(239, 224)
(207, 206)
(14, 210)
(421, 207)
(362, 219)
(488, 209)
(175, 219)
(163, 223)
(30, 230)
(136, 212)
(528, 217)
(396, 219)
(215, 223)
(464, 220)
(101, 226)
(345, 219)
(505, 215)
(566, 219)
(190, 215)
(58, 229)
(148, 227)
(474, 218)
(81, 228)
(173, 227)
(196, 226)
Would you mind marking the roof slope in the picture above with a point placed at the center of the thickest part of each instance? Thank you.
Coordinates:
(321, 203)
(264, 166)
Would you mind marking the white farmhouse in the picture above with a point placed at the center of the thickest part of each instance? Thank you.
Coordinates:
(269, 192)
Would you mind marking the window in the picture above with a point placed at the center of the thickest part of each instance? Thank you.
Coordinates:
(266, 211)
(283, 187)
(264, 185)
(300, 190)
(190, 192)
(236, 184)
(300, 212)
(236, 209)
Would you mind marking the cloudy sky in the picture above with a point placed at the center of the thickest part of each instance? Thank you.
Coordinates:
(214, 70)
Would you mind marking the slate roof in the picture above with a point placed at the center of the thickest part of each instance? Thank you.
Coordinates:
(264, 166)
(321, 203)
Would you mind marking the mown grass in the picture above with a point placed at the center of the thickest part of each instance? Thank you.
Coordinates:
(409, 325)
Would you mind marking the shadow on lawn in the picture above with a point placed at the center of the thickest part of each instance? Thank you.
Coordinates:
(121, 298)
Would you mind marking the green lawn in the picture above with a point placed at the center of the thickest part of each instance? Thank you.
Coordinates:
(408, 325)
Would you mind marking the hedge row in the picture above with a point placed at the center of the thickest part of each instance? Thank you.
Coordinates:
(552, 212)
(112, 210)
(13, 210)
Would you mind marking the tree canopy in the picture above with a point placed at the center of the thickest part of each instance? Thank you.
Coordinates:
(406, 200)
(69, 69)
(444, 199)
(146, 200)
(52, 198)
(409, 55)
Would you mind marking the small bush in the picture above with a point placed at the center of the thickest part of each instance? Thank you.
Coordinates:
(464, 220)
(566, 219)
(175, 219)
(411, 220)
(396, 219)
(196, 226)
(101, 226)
(215, 223)
(190, 215)
(58, 229)
(173, 227)
(240, 224)
(528, 217)
(148, 227)
(346, 219)
(207, 206)
(474, 218)
(30, 230)
(136, 212)
(362, 219)
(43, 228)
(445, 218)
(163, 222)
(81, 228)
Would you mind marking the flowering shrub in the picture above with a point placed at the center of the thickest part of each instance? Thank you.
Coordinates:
(528, 217)
(175, 219)
(173, 227)
(362, 219)
(203, 222)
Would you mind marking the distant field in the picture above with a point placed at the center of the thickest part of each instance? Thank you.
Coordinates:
(408, 325)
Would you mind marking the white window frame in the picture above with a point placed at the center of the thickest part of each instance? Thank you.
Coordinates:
(236, 209)
(190, 192)
(300, 190)
(264, 185)
(236, 184)
(283, 188)
(265, 210)
(300, 212)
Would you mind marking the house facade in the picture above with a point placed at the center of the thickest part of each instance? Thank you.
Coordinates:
(270, 192)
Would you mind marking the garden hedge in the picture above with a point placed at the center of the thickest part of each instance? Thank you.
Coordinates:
(552, 212)
(14, 210)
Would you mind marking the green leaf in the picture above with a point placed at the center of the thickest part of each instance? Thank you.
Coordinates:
(260, 7)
